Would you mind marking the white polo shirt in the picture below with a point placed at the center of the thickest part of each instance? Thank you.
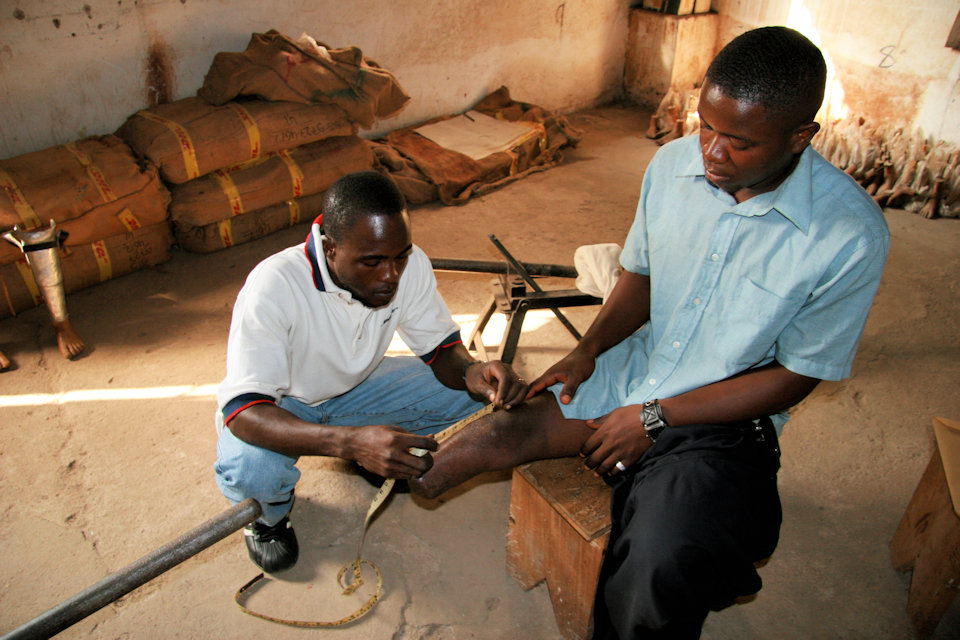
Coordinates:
(296, 333)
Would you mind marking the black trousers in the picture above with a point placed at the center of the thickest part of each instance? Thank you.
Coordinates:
(690, 519)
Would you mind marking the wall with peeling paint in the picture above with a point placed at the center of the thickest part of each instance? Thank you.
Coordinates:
(69, 69)
(889, 57)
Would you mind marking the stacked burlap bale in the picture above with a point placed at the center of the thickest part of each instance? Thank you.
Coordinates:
(271, 129)
(244, 169)
(247, 201)
(113, 207)
(426, 171)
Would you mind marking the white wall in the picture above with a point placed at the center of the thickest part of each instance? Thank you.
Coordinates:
(69, 69)
(889, 57)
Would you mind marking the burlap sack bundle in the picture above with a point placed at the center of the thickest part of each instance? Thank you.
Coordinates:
(416, 187)
(86, 265)
(92, 188)
(558, 132)
(256, 224)
(190, 138)
(247, 188)
(420, 166)
(276, 67)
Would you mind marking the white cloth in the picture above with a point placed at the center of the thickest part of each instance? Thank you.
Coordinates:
(598, 268)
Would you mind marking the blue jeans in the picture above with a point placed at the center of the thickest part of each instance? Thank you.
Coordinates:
(401, 391)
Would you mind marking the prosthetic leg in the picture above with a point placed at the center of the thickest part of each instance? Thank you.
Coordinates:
(42, 250)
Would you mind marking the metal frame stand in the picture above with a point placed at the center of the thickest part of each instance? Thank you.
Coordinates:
(512, 297)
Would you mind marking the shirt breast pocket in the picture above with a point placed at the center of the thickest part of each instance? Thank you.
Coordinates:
(753, 320)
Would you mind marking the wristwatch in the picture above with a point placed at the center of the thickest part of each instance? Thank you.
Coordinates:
(652, 416)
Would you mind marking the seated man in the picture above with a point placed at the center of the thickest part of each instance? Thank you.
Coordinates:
(747, 277)
(305, 358)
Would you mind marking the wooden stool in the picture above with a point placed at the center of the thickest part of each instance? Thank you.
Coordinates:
(559, 525)
(928, 542)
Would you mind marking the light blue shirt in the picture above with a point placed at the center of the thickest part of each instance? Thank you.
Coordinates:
(787, 275)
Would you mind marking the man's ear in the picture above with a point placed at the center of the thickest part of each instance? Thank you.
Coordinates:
(802, 136)
(329, 247)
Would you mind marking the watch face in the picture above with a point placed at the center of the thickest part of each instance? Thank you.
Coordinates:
(649, 416)
(654, 433)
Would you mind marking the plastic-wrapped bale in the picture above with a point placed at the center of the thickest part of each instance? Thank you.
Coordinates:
(86, 265)
(253, 189)
(244, 228)
(93, 188)
(190, 138)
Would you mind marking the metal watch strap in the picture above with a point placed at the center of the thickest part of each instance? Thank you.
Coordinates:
(652, 416)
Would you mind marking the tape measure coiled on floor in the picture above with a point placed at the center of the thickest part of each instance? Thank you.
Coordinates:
(354, 569)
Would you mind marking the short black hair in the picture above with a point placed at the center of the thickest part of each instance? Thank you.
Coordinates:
(776, 68)
(355, 195)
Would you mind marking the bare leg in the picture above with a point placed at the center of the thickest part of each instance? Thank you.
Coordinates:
(502, 440)
(4, 361)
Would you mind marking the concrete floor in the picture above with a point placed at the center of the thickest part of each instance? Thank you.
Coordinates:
(88, 484)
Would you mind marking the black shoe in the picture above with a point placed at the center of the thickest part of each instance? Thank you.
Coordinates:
(272, 548)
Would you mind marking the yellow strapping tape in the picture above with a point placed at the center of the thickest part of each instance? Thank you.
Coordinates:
(230, 190)
(296, 176)
(226, 235)
(20, 204)
(93, 171)
(253, 132)
(294, 207)
(186, 144)
(103, 259)
(128, 220)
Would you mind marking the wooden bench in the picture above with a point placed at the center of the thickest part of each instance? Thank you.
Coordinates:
(558, 529)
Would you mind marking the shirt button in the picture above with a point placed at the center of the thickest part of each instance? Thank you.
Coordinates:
(652, 381)
(696, 301)
(715, 257)
(676, 345)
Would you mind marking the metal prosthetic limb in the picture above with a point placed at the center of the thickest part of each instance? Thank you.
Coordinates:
(42, 250)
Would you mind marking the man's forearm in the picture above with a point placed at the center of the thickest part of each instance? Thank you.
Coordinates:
(450, 366)
(753, 394)
(270, 427)
(626, 309)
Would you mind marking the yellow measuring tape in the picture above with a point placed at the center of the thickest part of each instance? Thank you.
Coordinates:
(348, 588)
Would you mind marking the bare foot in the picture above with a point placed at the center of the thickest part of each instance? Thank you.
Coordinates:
(4, 361)
(502, 440)
(67, 339)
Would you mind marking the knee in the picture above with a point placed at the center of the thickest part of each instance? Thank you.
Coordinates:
(655, 577)
(245, 471)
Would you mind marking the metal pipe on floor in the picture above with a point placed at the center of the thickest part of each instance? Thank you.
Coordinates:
(490, 266)
(118, 584)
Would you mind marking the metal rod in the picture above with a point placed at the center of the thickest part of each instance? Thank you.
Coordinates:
(150, 566)
(489, 266)
(527, 277)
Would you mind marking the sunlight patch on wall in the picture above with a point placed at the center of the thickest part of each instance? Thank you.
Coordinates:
(834, 103)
